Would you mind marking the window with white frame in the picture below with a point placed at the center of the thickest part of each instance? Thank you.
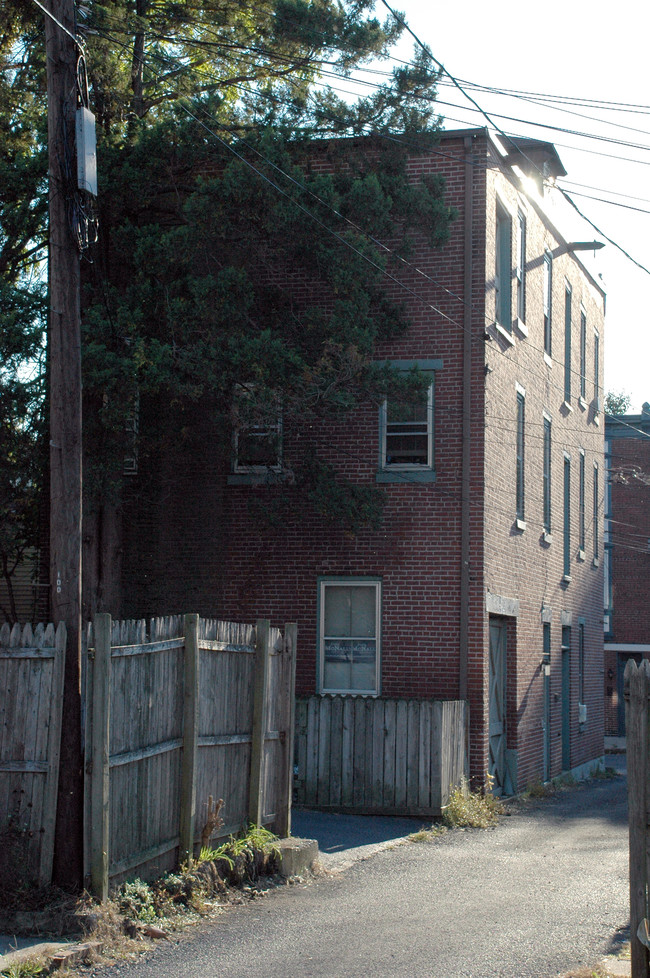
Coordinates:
(548, 301)
(583, 353)
(520, 498)
(349, 612)
(581, 502)
(503, 268)
(581, 661)
(568, 294)
(597, 371)
(257, 432)
(567, 517)
(521, 267)
(546, 476)
(406, 431)
(596, 514)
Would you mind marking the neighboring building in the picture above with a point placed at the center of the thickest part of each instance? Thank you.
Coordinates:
(627, 556)
(485, 580)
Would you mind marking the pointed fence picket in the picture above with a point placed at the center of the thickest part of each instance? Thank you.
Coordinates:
(31, 698)
(178, 711)
(637, 728)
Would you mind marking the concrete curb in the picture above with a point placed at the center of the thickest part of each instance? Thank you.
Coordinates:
(297, 856)
(54, 955)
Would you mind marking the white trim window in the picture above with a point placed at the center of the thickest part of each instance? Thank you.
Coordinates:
(407, 431)
(547, 298)
(521, 267)
(257, 433)
(349, 612)
(503, 268)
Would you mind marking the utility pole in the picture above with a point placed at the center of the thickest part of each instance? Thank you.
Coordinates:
(65, 424)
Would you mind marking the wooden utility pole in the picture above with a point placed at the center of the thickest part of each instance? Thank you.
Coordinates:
(65, 425)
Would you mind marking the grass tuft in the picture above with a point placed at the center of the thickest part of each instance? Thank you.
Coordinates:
(472, 809)
(426, 835)
(28, 968)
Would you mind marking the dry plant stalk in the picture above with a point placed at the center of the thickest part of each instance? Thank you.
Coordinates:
(214, 821)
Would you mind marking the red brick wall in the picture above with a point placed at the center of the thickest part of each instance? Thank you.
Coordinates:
(518, 563)
(630, 535)
(629, 538)
(202, 546)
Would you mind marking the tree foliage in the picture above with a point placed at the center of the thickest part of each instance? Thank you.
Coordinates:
(617, 402)
(254, 270)
(205, 112)
(23, 295)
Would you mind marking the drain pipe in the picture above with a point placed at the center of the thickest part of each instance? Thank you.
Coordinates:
(467, 407)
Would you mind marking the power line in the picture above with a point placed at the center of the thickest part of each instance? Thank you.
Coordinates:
(77, 40)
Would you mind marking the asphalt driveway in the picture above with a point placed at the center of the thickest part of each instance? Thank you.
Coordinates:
(544, 891)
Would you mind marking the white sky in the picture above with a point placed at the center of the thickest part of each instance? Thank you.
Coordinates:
(591, 51)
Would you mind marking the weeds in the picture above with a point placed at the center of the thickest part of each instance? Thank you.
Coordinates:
(605, 774)
(24, 969)
(235, 862)
(136, 901)
(426, 835)
(538, 789)
(472, 809)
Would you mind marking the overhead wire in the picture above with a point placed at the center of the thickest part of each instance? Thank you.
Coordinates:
(305, 210)
(183, 100)
(223, 142)
(434, 308)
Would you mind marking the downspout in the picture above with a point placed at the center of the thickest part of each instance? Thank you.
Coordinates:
(467, 406)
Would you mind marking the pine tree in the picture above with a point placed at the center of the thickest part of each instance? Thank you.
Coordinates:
(207, 117)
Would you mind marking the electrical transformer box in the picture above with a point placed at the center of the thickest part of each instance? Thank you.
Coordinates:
(86, 152)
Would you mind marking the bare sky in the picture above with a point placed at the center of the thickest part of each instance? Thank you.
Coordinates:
(592, 52)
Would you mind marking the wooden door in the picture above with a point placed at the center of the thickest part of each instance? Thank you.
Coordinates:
(497, 715)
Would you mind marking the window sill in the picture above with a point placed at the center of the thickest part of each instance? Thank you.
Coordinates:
(266, 477)
(582, 403)
(581, 555)
(547, 538)
(566, 578)
(505, 334)
(597, 419)
(596, 562)
(520, 525)
(405, 476)
(521, 327)
(567, 407)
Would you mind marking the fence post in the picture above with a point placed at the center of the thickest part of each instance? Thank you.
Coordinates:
(100, 754)
(53, 751)
(190, 737)
(288, 695)
(637, 691)
(260, 691)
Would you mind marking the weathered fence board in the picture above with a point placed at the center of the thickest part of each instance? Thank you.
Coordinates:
(178, 711)
(31, 697)
(386, 755)
(637, 726)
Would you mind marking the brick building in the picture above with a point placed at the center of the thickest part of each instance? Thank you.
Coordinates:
(485, 579)
(627, 556)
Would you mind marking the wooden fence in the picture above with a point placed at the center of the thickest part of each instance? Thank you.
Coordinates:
(637, 727)
(31, 700)
(185, 709)
(389, 756)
